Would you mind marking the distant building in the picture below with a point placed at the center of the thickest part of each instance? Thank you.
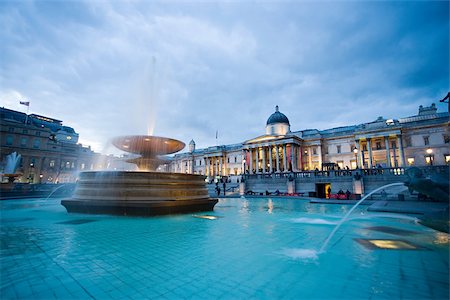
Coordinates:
(418, 140)
(50, 151)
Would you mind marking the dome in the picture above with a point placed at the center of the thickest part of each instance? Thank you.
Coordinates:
(277, 117)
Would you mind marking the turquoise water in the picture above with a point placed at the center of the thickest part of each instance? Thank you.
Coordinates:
(256, 248)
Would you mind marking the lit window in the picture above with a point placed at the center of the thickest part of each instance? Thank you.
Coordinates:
(426, 140)
(83, 166)
(69, 137)
(410, 161)
(447, 158)
(68, 165)
(429, 159)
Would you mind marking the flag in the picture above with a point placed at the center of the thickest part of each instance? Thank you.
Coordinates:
(26, 103)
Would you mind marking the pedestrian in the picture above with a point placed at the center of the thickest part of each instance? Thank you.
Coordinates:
(224, 187)
(347, 193)
(218, 191)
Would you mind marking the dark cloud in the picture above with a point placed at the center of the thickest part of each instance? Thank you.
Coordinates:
(190, 69)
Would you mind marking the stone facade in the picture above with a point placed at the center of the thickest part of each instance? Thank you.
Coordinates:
(419, 140)
(49, 151)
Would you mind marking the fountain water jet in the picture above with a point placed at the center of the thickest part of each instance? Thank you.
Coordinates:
(307, 254)
(324, 245)
(144, 192)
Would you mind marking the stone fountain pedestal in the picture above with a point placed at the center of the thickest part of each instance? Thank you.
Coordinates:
(142, 193)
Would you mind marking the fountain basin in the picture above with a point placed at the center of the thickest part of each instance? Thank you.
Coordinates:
(139, 193)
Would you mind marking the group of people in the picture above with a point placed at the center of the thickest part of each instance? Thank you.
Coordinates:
(340, 194)
(218, 188)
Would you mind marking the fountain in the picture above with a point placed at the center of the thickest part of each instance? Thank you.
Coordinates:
(12, 162)
(145, 192)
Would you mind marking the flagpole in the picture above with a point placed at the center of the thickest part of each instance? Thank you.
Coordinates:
(26, 118)
(217, 133)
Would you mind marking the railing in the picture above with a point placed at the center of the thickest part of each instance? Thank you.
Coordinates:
(399, 171)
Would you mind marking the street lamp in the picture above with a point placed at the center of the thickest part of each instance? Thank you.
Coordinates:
(243, 161)
(429, 156)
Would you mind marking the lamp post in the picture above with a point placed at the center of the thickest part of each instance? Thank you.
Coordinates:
(243, 169)
(430, 156)
(355, 150)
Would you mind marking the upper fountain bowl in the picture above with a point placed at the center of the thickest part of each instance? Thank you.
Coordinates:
(147, 145)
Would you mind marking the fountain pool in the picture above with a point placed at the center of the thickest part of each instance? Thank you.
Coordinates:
(245, 248)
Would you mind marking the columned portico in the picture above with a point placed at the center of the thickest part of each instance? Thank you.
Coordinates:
(284, 159)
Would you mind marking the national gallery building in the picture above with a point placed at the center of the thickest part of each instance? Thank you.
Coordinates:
(418, 140)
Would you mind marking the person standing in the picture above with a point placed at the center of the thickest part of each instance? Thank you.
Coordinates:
(224, 187)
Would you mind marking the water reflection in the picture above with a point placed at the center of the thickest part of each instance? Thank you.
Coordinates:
(270, 206)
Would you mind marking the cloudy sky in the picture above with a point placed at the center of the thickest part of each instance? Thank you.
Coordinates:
(187, 69)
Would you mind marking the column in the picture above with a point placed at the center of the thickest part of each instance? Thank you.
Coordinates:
(220, 165)
(257, 160)
(270, 159)
(264, 159)
(361, 155)
(319, 152)
(401, 153)
(216, 167)
(388, 151)
(369, 149)
(277, 152)
(251, 160)
(358, 154)
(310, 158)
(284, 158)
(206, 167)
(292, 158)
